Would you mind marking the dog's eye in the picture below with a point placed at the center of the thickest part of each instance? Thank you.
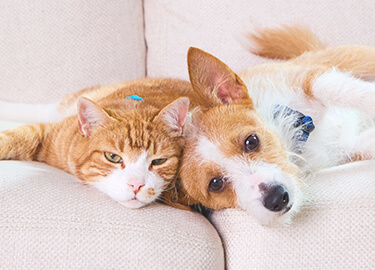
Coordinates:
(217, 184)
(252, 143)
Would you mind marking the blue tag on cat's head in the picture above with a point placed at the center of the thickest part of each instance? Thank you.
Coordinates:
(135, 97)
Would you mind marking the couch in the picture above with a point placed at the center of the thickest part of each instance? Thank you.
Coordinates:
(49, 220)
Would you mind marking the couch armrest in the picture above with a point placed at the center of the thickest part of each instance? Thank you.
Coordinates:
(334, 230)
(50, 220)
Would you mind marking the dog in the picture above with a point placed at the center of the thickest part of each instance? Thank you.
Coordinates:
(252, 139)
(257, 137)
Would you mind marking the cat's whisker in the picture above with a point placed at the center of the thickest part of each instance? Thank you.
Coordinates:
(112, 136)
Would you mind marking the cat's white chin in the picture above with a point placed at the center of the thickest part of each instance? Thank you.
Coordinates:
(133, 203)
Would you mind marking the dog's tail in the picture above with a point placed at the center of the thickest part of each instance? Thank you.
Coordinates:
(284, 42)
(301, 45)
(357, 60)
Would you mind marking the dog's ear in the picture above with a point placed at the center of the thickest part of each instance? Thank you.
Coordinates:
(214, 82)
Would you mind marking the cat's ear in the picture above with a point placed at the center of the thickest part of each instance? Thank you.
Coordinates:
(174, 115)
(90, 115)
(214, 83)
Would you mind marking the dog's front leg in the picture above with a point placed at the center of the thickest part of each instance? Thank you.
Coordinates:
(335, 88)
(363, 146)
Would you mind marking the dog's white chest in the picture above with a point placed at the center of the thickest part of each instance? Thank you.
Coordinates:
(336, 129)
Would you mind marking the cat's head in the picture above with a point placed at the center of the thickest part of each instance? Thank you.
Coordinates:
(130, 155)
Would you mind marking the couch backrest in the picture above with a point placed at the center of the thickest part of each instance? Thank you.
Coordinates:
(173, 26)
(52, 48)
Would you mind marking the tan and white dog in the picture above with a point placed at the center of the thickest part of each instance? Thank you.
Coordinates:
(240, 152)
(245, 138)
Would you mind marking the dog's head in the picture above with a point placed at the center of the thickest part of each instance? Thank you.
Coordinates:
(232, 158)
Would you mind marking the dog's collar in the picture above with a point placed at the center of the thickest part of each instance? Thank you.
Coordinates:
(302, 126)
(135, 97)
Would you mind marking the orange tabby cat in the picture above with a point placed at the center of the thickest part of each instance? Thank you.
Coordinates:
(125, 147)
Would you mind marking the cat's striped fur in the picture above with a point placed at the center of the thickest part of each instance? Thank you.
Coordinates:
(139, 132)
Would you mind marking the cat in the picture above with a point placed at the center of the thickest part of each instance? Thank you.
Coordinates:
(232, 156)
(125, 140)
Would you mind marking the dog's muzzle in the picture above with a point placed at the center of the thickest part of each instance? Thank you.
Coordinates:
(275, 197)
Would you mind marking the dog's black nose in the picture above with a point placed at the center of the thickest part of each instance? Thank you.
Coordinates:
(276, 198)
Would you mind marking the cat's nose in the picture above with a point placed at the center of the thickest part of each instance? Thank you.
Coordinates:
(136, 184)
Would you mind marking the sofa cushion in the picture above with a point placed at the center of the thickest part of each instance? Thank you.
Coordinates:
(50, 220)
(52, 48)
(173, 26)
(334, 230)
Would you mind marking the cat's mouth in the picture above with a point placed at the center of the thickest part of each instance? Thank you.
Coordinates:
(132, 203)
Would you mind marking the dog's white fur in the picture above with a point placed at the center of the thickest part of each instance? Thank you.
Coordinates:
(327, 84)
(341, 106)
(320, 83)
(342, 110)
(246, 178)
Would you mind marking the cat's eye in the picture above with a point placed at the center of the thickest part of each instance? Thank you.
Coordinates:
(113, 157)
(217, 184)
(252, 143)
(158, 161)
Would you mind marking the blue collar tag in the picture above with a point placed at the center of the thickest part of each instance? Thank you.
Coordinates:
(135, 97)
(302, 126)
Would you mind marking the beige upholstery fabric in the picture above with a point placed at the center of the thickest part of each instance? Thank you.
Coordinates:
(335, 229)
(51, 48)
(173, 26)
(49, 220)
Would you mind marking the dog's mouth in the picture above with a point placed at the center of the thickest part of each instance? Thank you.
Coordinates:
(287, 209)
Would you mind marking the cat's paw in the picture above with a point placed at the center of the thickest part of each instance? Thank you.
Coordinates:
(2, 144)
(5, 148)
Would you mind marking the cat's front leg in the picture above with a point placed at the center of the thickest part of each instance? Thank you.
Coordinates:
(5, 146)
(22, 143)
